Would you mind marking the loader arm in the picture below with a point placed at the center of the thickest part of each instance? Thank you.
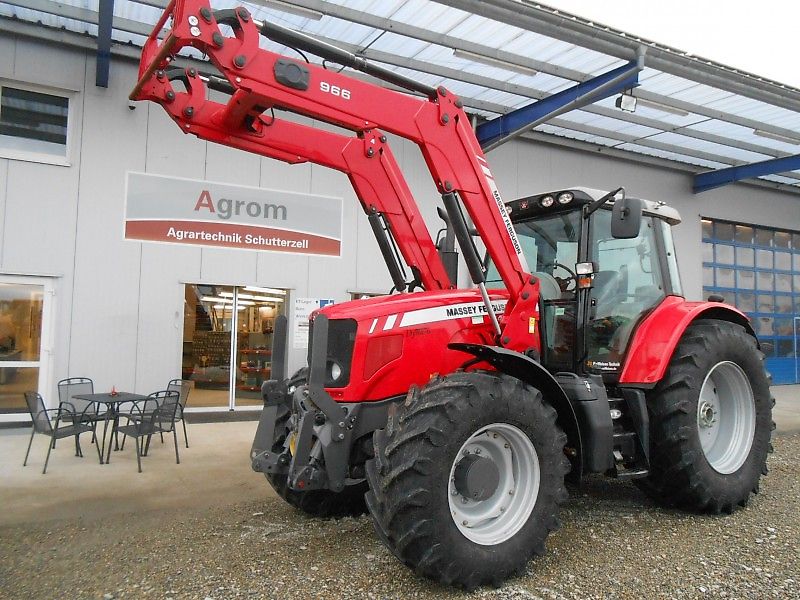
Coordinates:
(367, 160)
(261, 80)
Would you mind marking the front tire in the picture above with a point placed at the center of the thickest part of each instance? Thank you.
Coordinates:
(467, 478)
(711, 421)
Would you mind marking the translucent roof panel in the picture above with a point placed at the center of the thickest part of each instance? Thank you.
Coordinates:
(498, 66)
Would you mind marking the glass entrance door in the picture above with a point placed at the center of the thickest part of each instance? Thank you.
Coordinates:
(227, 342)
(24, 323)
(258, 307)
(206, 361)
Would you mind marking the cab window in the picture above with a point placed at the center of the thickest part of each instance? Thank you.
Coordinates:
(626, 284)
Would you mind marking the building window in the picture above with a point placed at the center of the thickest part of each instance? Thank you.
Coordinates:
(757, 269)
(33, 124)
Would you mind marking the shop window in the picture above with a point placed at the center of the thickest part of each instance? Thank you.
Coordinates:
(782, 239)
(708, 229)
(764, 259)
(746, 302)
(783, 282)
(725, 278)
(766, 303)
(746, 280)
(723, 232)
(765, 281)
(783, 261)
(33, 124)
(766, 264)
(744, 257)
(783, 304)
(744, 234)
(763, 237)
(724, 254)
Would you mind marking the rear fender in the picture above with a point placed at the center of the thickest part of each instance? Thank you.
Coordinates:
(531, 372)
(656, 337)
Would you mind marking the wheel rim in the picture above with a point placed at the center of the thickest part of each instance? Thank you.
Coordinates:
(726, 417)
(501, 515)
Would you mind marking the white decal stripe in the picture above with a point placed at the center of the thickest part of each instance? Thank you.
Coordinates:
(372, 327)
(481, 159)
(389, 322)
(446, 313)
(509, 226)
(487, 172)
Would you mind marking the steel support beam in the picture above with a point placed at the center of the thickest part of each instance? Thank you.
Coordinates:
(449, 41)
(581, 32)
(508, 126)
(419, 33)
(104, 27)
(450, 74)
(714, 179)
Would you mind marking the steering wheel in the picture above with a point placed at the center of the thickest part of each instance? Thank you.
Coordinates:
(566, 285)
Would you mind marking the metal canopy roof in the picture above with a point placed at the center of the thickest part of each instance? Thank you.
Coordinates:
(498, 55)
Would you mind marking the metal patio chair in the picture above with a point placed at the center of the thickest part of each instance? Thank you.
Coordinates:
(144, 409)
(182, 387)
(87, 412)
(156, 414)
(40, 415)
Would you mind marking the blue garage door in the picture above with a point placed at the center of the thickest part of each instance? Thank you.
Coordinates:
(757, 269)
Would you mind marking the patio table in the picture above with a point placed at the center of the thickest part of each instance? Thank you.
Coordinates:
(112, 402)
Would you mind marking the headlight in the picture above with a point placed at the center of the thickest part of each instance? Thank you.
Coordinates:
(565, 197)
(336, 371)
(546, 202)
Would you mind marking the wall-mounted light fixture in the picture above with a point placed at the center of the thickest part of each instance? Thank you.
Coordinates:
(626, 102)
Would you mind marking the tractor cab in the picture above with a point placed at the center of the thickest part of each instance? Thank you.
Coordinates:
(602, 266)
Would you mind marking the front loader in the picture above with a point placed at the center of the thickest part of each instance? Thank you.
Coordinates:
(455, 415)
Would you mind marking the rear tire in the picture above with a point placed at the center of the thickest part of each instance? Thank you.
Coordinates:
(420, 461)
(710, 421)
(316, 503)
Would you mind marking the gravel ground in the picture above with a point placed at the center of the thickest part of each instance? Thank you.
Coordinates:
(614, 544)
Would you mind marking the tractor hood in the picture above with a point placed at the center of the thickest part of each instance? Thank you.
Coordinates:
(407, 310)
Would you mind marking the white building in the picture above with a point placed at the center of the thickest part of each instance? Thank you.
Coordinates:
(79, 299)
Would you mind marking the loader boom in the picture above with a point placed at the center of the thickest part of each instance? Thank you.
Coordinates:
(258, 81)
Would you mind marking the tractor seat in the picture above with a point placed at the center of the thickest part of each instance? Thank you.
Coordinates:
(548, 286)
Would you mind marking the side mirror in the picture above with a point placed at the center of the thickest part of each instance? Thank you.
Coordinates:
(626, 218)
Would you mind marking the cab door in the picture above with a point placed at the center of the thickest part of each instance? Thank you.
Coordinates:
(627, 284)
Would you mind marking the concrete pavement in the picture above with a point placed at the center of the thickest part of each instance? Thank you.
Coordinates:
(786, 413)
(214, 472)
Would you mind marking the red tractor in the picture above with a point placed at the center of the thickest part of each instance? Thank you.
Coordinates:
(455, 415)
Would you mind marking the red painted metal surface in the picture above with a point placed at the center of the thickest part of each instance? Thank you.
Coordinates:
(657, 336)
(427, 322)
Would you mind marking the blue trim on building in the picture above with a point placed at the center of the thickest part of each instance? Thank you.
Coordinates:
(104, 26)
(574, 97)
(714, 179)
